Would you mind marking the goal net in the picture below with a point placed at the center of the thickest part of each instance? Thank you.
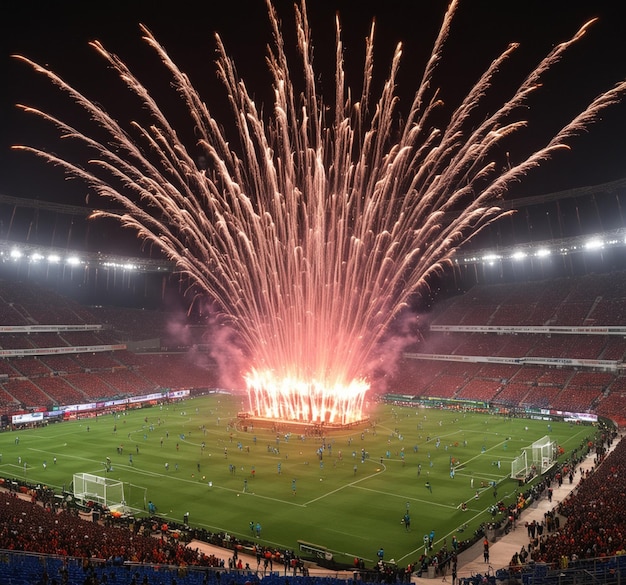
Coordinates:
(136, 497)
(536, 459)
(544, 453)
(105, 491)
(519, 467)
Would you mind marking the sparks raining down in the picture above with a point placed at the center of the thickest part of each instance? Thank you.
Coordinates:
(313, 235)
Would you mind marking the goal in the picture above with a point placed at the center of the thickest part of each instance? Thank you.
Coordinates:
(544, 453)
(105, 491)
(538, 458)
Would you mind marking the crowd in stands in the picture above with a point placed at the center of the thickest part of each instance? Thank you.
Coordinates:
(26, 526)
(44, 380)
(596, 299)
(518, 345)
(25, 393)
(29, 304)
(77, 547)
(514, 386)
(137, 325)
(60, 390)
(478, 389)
(592, 301)
(49, 378)
(587, 525)
(596, 518)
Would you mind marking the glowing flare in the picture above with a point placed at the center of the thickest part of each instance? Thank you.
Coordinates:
(306, 400)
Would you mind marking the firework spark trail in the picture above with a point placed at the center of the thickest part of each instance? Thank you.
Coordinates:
(311, 237)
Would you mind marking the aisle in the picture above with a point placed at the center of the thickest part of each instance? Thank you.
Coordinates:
(224, 553)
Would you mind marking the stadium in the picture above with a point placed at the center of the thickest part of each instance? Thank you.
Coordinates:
(127, 433)
(548, 349)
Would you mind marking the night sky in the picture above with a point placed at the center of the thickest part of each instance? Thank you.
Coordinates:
(56, 34)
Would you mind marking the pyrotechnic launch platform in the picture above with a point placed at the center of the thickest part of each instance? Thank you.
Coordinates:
(247, 421)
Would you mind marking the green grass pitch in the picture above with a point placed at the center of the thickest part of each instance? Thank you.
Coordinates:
(351, 504)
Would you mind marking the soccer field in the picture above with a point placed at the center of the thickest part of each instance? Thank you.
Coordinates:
(351, 500)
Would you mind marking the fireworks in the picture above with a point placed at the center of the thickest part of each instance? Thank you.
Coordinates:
(314, 233)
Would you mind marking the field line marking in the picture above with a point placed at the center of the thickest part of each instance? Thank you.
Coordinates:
(343, 487)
